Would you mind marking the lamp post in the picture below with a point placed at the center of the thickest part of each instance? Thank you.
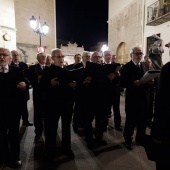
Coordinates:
(38, 27)
(103, 49)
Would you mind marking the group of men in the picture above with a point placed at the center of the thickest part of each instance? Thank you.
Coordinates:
(59, 93)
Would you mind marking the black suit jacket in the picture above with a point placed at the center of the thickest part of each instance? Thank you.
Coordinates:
(33, 73)
(134, 95)
(10, 95)
(23, 66)
(61, 94)
(160, 127)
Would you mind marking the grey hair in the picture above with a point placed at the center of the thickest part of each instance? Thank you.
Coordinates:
(84, 53)
(6, 49)
(134, 48)
(53, 51)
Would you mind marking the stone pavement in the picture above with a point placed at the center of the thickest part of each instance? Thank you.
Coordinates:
(113, 156)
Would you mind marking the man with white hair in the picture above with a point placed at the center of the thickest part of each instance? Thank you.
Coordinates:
(59, 100)
(11, 86)
(34, 74)
(136, 97)
(23, 66)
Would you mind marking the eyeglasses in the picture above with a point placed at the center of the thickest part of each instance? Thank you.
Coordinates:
(87, 56)
(3, 54)
(15, 54)
(107, 54)
(138, 53)
(59, 57)
(96, 57)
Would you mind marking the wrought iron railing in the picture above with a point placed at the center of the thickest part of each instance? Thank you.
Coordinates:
(158, 9)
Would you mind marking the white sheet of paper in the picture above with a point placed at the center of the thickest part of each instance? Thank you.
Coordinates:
(149, 75)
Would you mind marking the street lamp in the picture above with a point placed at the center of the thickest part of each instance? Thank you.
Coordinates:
(104, 48)
(41, 29)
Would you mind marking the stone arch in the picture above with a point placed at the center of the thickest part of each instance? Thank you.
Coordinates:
(122, 53)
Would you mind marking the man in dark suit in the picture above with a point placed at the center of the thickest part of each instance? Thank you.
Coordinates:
(23, 66)
(160, 127)
(93, 104)
(77, 121)
(136, 97)
(77, 59)
(12, 84)
(34, 75)
(59, 99)
(112, 90)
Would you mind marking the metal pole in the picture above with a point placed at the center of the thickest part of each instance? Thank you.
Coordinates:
(40, 39)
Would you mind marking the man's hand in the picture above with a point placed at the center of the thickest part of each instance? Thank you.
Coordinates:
(87, 80)
(21, 85)
(111, 76)
(137, 83)
(54, 81)
(150, 82)
(117, 74)
(39, 77)
(73, 84)
(157, 141)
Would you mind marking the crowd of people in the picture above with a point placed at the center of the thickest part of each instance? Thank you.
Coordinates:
(82, 93)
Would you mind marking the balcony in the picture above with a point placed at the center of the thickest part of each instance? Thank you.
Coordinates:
(158, 13)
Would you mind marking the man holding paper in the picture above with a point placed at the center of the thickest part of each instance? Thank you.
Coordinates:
(136, 97)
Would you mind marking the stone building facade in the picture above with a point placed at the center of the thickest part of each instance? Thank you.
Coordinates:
(125, 28)
(70, 50)
(14, 21)
(128, 26)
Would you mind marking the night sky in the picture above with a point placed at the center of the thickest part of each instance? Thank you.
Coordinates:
(83, 22)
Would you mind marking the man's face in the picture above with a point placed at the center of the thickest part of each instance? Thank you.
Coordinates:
(96, 58)
(114, 58)
(77, 58)
(86, 57)
(137, 55)
(58, 58)
(15, 56)
(4, 57)
(41, 57)
(107, 56)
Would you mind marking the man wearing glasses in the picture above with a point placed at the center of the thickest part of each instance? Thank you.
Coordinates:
(59, 99)
(23, 66)
(93, 107)
(136, 97)
(11, 86)
(112, 90)
(34, 74)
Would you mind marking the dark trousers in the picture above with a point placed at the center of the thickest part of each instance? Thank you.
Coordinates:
(39, 111)
(51, 126)
(112, 100)
(24, 111)
(78, 108)
(116, 105)
(9, 136)
(93, 110)
(136, 116)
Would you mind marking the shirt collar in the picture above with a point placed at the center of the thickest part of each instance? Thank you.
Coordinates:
(6, 67)
(136, 63)
(108, 62)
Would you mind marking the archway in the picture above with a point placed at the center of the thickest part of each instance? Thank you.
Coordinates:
(122, 53)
